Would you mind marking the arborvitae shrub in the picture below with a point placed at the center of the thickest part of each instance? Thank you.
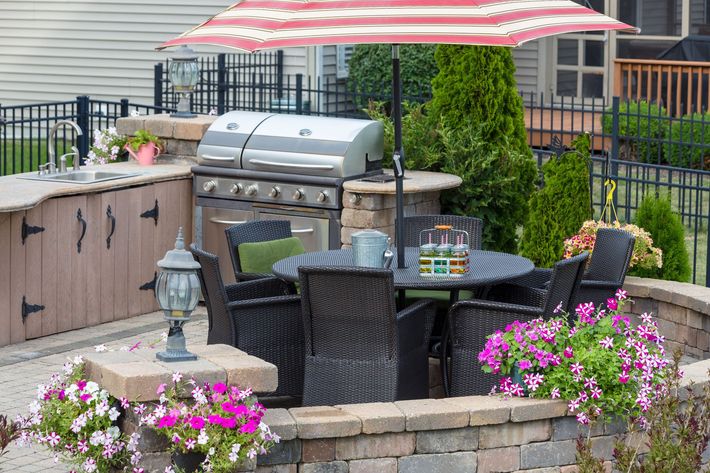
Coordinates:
(643, 127)
(370, 70)
(689, 144)
(560, 207)
(656, 216)
(477, 84)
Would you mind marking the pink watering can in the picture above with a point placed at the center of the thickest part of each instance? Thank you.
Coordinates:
(146, 153)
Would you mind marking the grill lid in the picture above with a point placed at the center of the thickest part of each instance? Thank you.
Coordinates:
(224, 141)
(294, 144)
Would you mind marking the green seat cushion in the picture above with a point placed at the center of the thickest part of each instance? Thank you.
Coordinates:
(441, 297)
(260, 256)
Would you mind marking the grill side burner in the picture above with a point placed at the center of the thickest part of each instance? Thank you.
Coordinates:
(288, 167)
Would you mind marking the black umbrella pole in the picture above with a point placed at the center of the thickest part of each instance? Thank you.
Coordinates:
(398, 158)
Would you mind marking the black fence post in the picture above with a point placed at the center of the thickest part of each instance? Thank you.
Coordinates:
(124, 107)
(221, 83)
(279, 74)
(299, 94)
(82, 119)
(157, 85)
(614, 168)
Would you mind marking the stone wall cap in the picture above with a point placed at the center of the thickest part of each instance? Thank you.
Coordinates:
(376, 417)
(325, 422)
(414, 182)
(281, 423)
(432, 414)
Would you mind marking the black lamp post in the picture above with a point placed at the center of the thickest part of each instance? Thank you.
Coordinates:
(177, 290)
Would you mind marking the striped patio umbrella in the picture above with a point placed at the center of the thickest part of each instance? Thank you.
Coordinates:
(253, 25)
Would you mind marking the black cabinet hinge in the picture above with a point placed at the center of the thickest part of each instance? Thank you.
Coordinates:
(152, 213)
(28, 230)
(150, 285)
(28, 309)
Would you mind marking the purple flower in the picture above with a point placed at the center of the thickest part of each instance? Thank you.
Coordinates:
(249, 428)
(219, 388)
(167, 421)
(197, 422)
(524, 365)
(576, 368)
(568, 353)
(612, 304)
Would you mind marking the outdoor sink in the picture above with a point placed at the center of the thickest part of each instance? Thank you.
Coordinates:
(81, 176)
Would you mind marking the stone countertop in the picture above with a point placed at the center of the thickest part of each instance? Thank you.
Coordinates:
(17, 193)
(414, 181)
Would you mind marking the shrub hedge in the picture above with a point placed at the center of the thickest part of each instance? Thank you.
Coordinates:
(689, 144)
(643, 127)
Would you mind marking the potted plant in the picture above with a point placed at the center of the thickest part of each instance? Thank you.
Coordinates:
(77, 420)
(602, 365)
(645, 255)
(108, 146)
(217, 427)
(144, 147)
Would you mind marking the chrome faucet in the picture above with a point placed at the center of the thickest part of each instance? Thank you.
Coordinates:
(52, 155)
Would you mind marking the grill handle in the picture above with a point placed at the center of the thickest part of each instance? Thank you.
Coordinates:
(322, 167)
(303, 230)
(216, 158)
(227, 222)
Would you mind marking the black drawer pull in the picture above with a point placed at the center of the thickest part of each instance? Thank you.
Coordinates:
(109, 214)
(83, 230)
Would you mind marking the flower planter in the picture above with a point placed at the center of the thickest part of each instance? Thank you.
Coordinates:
(188, 462)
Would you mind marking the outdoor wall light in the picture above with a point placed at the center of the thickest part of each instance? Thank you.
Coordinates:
(184, 73)
(177, 290)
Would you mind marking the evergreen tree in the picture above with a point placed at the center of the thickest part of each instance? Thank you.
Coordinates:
(558, 210)
(477, 83)
(656, 216)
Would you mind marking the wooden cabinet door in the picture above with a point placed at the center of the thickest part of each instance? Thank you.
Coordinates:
(5, 278)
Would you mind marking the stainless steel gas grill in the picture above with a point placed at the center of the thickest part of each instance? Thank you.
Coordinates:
(259, 166)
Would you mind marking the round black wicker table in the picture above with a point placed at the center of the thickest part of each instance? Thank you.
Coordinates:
(486, 268)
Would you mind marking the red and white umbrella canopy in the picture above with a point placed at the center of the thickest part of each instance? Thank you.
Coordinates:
(252, 25)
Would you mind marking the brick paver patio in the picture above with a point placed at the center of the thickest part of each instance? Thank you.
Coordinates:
(25, 365)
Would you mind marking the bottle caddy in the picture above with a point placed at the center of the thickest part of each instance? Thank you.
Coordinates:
(443, 259)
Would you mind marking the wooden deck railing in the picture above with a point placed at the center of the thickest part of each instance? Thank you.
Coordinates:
(683, 87)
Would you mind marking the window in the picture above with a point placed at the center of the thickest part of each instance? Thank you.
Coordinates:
(342, 56)
(654, 17)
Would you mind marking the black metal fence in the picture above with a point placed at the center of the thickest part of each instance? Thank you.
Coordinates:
(24, 128)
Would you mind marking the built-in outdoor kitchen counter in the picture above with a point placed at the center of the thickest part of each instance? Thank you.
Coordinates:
(54, 276)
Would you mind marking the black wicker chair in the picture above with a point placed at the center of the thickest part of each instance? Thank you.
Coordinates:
(252, 232)
(358, 348)
(258, 317)
(414, 225)
(471, 321)
(608, 264)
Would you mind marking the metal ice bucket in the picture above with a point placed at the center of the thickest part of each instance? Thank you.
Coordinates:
(371, 249)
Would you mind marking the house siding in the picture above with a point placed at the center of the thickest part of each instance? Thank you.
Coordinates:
(527, 67)
(56, 49)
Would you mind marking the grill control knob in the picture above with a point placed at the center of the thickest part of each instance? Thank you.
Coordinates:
(322, 196)
(252, 189)
(274, 192)
(236, 189)
(209, 186)
(298, 194)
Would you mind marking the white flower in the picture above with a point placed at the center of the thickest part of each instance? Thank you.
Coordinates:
(92, 387)
(203, 438)
(113, 414)
(78, 360)
(135, 113)
(177, 376)
(97, 438)
(100, 348)
(169, 469)
(102, 408)
(114, 432)
(90, 465)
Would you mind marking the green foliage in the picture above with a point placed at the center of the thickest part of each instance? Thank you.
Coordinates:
(370, 69)
(674, 438)
(477, 84)
(693, 131)
(497, 182)
(142, 137)
(656, 216)
(558, 209)
(418, 136)
(643, 127)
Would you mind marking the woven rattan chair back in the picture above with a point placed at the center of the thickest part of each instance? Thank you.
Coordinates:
(220, 328)
(415, 224)
(564, 284)
(348, 312)
(611, 256)
(252, 232)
